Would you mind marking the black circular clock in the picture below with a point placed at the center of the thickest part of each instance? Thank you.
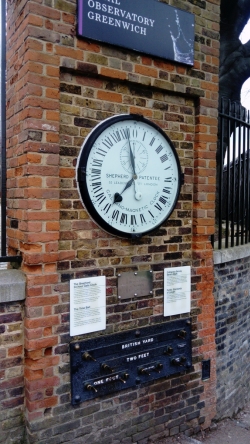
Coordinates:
(128, 175)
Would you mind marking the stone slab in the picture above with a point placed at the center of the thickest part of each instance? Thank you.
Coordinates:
(12, 285)
(231, 254)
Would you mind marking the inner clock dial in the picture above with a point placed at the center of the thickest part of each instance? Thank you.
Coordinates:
(140, 157)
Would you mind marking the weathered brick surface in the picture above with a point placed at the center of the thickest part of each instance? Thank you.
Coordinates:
(11, 372)
(232, 335)
(58, 88)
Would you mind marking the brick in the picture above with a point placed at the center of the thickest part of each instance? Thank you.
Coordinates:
(45, 403)
(113, 73)
(11, 362)
(41, 322)
(109, 97)
(145, 70)
(15, 351)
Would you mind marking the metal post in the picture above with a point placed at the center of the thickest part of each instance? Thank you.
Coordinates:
(3, 252)
(3, 128)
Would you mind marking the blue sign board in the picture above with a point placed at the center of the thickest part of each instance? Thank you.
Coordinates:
(148, 26)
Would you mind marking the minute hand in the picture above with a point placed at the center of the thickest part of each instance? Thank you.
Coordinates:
(138, 194)
(132, 159)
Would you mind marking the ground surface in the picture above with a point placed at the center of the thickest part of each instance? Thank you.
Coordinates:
(3, 266)
(227, 431)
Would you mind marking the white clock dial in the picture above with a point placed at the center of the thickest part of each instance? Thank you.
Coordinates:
(128, 175)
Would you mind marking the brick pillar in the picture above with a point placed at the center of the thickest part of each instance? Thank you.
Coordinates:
(33, 187)
(97, 81)
(204, 210)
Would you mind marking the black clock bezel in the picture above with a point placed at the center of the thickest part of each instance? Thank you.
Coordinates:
(82, 165)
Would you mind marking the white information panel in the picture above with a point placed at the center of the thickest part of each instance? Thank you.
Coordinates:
(177, 290)
(87, 305)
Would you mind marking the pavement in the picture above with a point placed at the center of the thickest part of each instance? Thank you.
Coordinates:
(3, 265)
(227, 431)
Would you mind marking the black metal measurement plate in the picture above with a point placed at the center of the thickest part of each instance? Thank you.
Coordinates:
(107, 364)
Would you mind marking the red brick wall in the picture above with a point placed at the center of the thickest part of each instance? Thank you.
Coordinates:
(54, 78)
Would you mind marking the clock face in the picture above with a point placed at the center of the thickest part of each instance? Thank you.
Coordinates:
(128, 175)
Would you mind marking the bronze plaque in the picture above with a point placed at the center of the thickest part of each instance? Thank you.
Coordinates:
(135, 284)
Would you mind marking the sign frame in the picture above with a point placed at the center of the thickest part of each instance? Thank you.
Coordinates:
(148, 26)
(177, 290)
(87, 305)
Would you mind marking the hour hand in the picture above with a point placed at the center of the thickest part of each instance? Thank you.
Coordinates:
(118, 196)
(128, 184)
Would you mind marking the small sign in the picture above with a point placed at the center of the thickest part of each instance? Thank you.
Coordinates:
(135, 284)
(87, 305)
(177, 290)
(148, 26)
(205, 369)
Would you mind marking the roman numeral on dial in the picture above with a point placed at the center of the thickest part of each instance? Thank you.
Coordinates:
(101, 152)
(97, 162)
(116, 136)
(133, 219)
(163, 200)
(115, 214)
(108, 142)
(106, 208)
(167, 190)
(158, 150)
(157, 205)
(100, 198)
(124, 218)
(97, 186)
(164, 158)
(134, 132)
(143, 220)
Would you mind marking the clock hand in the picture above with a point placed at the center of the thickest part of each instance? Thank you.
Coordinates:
(138, 194)
(117, 196)
(132, 160)
(128, 184)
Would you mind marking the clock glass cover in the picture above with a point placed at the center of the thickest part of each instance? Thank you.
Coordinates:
(128, 175)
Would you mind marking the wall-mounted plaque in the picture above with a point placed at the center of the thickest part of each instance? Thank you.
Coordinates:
(135, 284)
(87, 305)
(177, 290)
(147, 26)
(107, 364)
